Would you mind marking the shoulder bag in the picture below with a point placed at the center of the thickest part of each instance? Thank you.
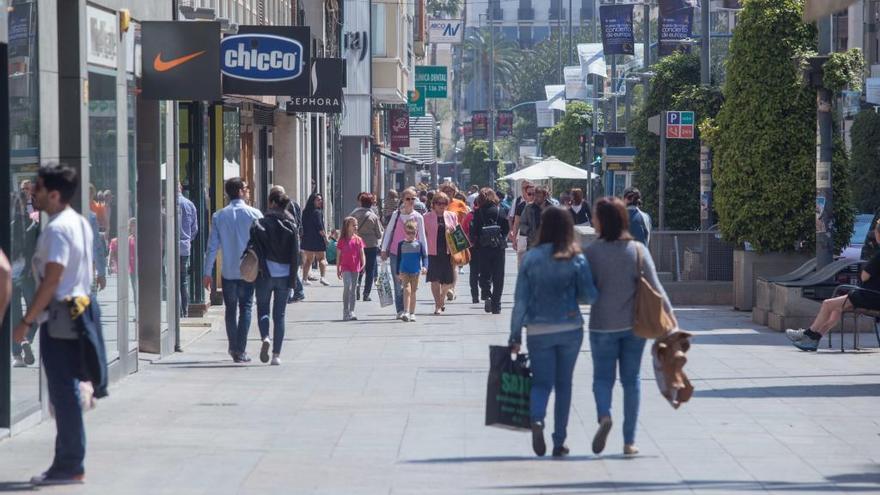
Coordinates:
(250, 262)
(652, 320)
(490, 235)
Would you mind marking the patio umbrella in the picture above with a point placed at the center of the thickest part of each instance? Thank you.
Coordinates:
(551, 168)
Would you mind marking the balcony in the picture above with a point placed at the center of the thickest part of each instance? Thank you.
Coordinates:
(495, 13)
(525, 14)
(557, 14)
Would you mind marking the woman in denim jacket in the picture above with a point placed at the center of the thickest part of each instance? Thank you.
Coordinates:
(553, 279)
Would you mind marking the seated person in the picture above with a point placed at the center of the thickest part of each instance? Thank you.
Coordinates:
(807, 339)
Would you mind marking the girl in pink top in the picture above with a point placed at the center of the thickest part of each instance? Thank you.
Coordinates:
(350, 260)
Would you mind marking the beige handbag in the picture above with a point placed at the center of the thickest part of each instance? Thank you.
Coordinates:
(250, 265)
(652, 320)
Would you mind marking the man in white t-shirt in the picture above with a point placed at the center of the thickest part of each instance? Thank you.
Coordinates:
(62, 266)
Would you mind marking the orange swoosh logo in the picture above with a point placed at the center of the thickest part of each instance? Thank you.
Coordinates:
(162, 66)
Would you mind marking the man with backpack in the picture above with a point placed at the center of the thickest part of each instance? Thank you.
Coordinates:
(639, 221)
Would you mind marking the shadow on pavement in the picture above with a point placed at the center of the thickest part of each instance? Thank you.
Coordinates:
(765, 339)
(16, 486)
(722, 486)
(849, 390)
(500, 458)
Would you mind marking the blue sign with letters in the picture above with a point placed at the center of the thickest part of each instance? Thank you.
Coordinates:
(266, 60)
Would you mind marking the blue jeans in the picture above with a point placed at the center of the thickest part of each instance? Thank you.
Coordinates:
(610, 350)
(269, 288)
(552, 358)
(62, 364)
(237, 295)
(398, 289)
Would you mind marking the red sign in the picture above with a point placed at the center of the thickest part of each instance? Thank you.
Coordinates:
(687, 132)
(504, 123)
(673, 131)
(399, 122)
(467, 129)
(480, 121)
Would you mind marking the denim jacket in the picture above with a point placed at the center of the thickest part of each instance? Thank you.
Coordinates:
(548, 290)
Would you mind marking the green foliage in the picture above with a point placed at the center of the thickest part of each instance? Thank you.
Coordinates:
(561, 140)
(540, 66)
(475, 154)
(765, 153)
(477, 58)
(844, 70)
(865, 163)
(439, 8)
(675, 86)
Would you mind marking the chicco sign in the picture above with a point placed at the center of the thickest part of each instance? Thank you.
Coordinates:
(266, 60)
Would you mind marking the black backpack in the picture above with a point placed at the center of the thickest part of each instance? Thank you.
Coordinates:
(491, 235)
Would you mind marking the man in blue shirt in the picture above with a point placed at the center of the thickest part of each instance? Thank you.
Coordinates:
(230, 232)
(639, 221)
(188, 225)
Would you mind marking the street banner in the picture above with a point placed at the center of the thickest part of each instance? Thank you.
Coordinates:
(618, 37)
(266, 60)
(181, 60)
(416, 102)
(544, 114)
(592, 59)
(433, 79)
(325, 95)
(480, 123)
(357, 120)
(399, 120)
(504, 123)
(467, 129)
(21, 27)
(445, 31)
(676, 20)
(575, 85)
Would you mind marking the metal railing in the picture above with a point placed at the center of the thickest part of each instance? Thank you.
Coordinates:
(692, 255)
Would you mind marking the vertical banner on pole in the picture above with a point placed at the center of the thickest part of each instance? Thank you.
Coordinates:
(618, 36)
(399, 128)
(676, 22)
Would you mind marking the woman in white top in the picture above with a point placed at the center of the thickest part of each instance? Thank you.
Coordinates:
(395, 232)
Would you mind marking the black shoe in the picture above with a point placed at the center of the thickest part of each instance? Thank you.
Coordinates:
(601, 435)
(560, 451)
(475, 299)
(357, 293)
(488, 306)
(496, 309)
(366, 299)
(242, 358)
(538, 444)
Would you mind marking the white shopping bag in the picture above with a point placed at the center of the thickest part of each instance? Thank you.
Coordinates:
(384, 285)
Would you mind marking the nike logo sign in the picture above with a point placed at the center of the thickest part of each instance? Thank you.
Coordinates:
(162, 66)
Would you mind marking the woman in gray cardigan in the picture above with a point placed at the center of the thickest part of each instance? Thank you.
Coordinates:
(614, 259)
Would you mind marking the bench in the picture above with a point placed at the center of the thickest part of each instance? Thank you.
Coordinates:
(855, 313)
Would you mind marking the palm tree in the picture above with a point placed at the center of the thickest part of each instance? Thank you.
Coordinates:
(438, 8)
(477, 58)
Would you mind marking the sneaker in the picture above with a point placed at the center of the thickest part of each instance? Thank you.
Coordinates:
(307, 282)
(601, 435)
(795, 335)
(297, 299)
(400, 315)
(412, 317)
(312, 277)
(324, 282)
(353, 317)
(538, 444)
(560, 451)
(276, 360)
(18, 362)
(264, 350)
(807, 344)
(28, 352)
(475, 299)
(366, 299)
(405, 317)
(437, 311)
(242, 358)
(49, 479)
(487, 306)
(630, 450)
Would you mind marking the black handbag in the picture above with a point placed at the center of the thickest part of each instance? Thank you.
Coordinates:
(491, 235)
(508, 390)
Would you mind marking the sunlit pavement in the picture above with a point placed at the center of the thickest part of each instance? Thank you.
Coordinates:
(381, 406)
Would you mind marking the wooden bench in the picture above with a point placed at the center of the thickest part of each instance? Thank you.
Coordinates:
(855, 313)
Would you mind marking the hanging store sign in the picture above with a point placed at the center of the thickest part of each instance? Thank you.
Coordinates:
(618, 37)
(433, 79)
(544, 114)
(445, 30)
(467, 129)
(181, 60)
(504, 123)
(266, 60)
(480, 123)
(575, 87)
(326, 92)
(103, 37)
(399, 121)
(416, 102)
(676, 20)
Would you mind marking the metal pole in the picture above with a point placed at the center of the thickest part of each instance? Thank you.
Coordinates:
(661, 215)
(824, 196)
(559, 46)
(492, 167)
(613, 101)
(569, 34)
(705, 67)
(646, 21)
(627, 109)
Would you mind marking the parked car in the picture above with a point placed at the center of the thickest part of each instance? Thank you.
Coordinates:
(860, 232)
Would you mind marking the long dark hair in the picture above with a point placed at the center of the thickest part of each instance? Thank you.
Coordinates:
(557, 228)
(310, 204)
(613, 219)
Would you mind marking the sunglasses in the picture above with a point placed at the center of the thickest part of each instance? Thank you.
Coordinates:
(530, 194)
(441, 204)
(409, 199)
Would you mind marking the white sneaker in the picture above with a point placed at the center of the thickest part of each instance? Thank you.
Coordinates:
(276, 360)
(400, 315)
(405, 317)
(324, 282)
(18, 362)
(307, 282)
(412, 317)
(353, 317)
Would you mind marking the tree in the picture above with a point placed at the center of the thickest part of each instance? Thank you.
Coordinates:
(540, 66)
(765, 149)
(865, 164)
(477, 56)
(439, 8)
(476, 157)
(563, 139)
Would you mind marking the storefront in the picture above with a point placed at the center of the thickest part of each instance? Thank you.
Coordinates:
(61, 53)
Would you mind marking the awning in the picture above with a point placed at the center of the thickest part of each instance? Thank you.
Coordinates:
(397, 157)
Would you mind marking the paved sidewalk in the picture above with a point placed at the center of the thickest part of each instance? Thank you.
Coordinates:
(380, 406)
